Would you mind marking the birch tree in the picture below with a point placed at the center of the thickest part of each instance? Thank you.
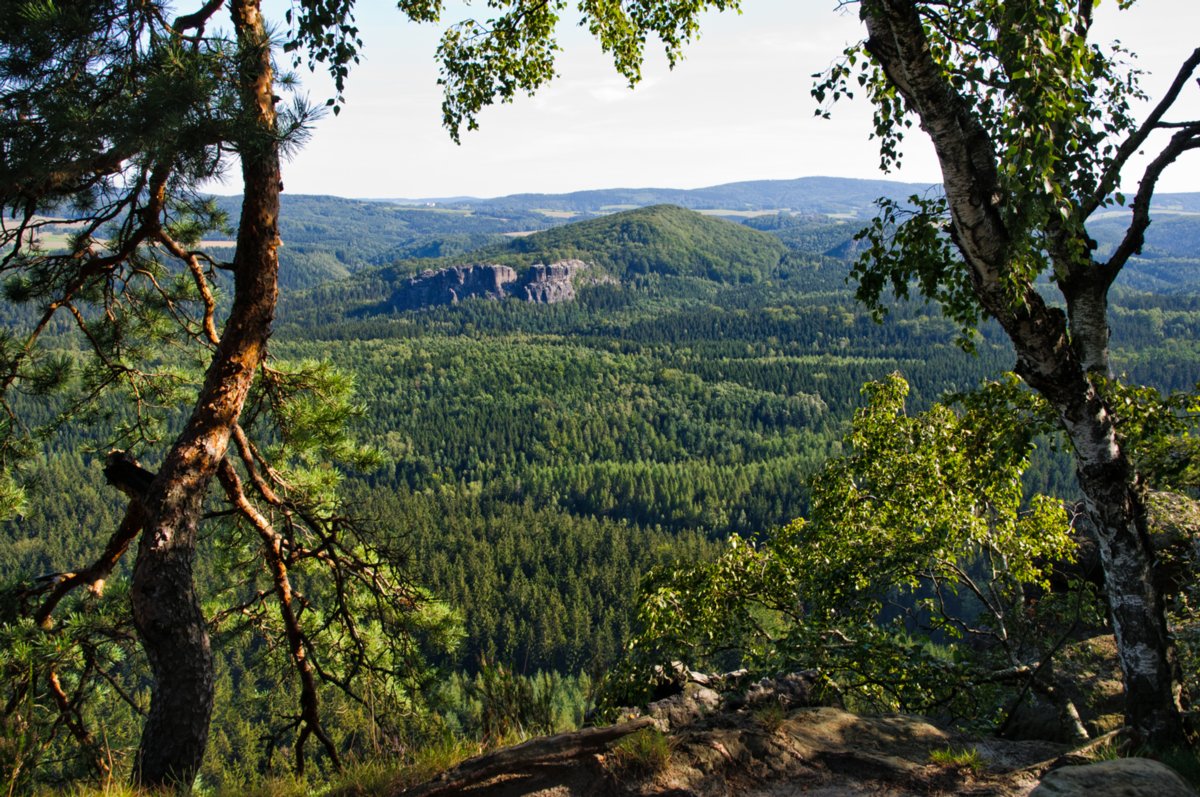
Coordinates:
(1034, 131)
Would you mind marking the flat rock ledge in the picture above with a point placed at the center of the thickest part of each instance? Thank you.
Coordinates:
(720, 736)
(756, 752)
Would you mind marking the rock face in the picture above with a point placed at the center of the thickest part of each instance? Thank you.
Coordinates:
(1173, 522)
(542, 284)
(721, 737)
(1087, 677)
(751, 752)
(452, 285)
(1125, 776)
(549, 284)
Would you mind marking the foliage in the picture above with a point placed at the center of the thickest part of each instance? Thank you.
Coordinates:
(113, 114)
(504, 429)
(1159, 432)
(475, 406)
(927, 507)
(1055, 106)
(1033, 129)
(329, 238)
(661, 239)
(512, 706)
(514, 51)
(160, 114)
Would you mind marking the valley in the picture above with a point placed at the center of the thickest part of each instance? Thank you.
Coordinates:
(535, 459)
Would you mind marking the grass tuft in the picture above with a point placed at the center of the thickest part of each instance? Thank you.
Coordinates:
(640, 754)
(966, 758)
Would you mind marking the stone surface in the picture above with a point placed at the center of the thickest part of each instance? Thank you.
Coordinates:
(1173, 521)
(541, 283)
(793, 689)
(452, 285)
(683, 709)
(1088, 674)
(553, 283)
(812, 751)
(1124, 777)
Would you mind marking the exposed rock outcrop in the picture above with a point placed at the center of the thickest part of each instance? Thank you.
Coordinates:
(553, 283)
(452, 285)
(751, 753)
(1124, 776)
(1087, 675)
(721, 737)
(541, 283)
(1173, 521)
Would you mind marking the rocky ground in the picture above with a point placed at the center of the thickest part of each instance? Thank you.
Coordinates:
(766, 745)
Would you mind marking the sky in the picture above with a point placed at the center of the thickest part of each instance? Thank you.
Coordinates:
(737, 108)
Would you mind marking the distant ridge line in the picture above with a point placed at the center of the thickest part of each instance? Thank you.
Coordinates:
(756, 192)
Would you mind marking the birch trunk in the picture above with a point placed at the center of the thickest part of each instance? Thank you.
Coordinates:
(1087, 312)
(1046, 360)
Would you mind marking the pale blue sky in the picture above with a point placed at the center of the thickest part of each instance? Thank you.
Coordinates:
(738, 108)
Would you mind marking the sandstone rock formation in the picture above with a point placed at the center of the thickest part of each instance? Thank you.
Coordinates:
(1124, 776)
(765, 739)
(452, 285)
(541, 283)
(549, 284)
(1173, 521)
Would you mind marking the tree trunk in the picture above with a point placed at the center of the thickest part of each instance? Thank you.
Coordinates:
(1046, 360)
(1087, 313)
(166, 609)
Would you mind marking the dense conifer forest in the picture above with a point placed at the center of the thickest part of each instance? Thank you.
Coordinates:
(536, 460)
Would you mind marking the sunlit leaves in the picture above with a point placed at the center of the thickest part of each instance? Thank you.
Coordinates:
(908, 245)
(931, 501)
(482, 62)
(309, 409)
(1159, 432)
(514, 51)
(85, 653)
(1054, 107)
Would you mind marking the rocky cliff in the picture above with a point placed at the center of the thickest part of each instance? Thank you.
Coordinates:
(452, 285)
(541, 283)
(548, 284)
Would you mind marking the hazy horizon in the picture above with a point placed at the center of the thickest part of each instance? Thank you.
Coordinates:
(736, 109)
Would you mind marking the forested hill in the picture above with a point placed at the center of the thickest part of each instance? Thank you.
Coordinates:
(329, 238)
(662, 239)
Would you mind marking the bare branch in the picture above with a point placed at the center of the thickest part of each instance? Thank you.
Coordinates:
(1112, 175)
(197, 19)
(69, 715)
(252, 460)
(1186, 139)
(93, 576)
(193, 263)
(69, 177)
(298, 643)
(535, 754)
